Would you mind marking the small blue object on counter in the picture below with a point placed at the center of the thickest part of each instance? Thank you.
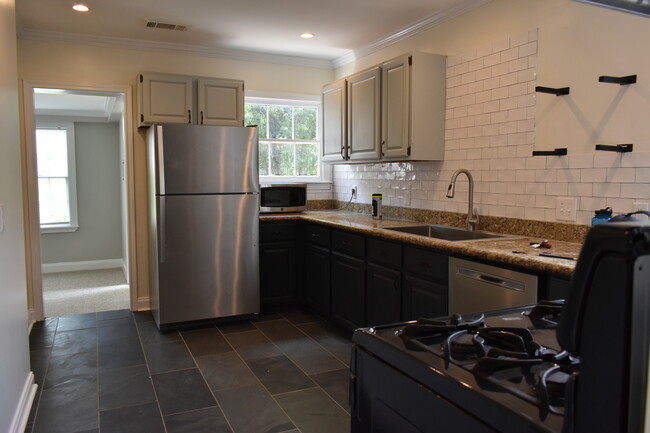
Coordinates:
(602, 216)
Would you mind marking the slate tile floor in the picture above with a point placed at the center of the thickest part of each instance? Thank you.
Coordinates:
(114, 372)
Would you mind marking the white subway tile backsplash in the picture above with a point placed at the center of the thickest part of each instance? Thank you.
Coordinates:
(528, 49)
(639, 191)
(607, 190)
(635, 159)
(606, 160)
(520, 39)
(500, 45)
(509, 54)
(643, 175)
(619, 174)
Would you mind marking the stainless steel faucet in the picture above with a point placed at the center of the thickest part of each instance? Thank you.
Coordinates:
(472, 213)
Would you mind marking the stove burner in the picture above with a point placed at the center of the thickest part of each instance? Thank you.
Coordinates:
(546, 314)
(428, 327)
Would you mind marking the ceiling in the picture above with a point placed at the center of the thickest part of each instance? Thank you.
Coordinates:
(343, 28)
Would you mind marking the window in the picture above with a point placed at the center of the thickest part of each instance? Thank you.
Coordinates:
(55, 166)
(289, 138)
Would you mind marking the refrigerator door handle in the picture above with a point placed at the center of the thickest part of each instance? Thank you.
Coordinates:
(161, 161)
(161, 230)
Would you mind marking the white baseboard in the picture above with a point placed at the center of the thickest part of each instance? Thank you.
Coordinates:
(142, 304)
(48, 268)
(24, 406)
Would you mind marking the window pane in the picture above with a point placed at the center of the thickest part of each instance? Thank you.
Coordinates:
(53, 200)
(281, 159)
(305, 124)
(51, 152)
(307, 159)
(264, 159)
(256, 115)
(279, 121)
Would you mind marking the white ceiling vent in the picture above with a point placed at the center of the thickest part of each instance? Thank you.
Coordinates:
(166, 26)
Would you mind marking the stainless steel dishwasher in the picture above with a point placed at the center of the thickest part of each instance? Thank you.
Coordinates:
(475, 287)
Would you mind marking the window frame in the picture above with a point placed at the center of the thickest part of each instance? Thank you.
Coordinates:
(73, 225)
(295, 100)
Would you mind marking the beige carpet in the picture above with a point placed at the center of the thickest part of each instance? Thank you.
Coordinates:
(80, 292)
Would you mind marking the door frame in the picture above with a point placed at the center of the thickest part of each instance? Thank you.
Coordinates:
(30, 187)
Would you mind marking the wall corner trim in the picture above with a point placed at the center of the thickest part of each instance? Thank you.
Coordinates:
(24, 405)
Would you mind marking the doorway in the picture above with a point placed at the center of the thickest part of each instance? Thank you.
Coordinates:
(80, 215)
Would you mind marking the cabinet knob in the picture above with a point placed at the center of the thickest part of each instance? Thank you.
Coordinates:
(189, 116)
(201, 117)
(315, 235)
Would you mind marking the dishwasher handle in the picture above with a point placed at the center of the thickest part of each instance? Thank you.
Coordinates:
(505, 283)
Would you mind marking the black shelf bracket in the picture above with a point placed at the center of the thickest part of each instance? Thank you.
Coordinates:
(628, 79)
(557, 152)
(615, 148)
(552, 90)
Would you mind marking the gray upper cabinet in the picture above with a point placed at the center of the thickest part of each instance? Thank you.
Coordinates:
(396, 111)
(334, 98)
(220, 101)
(169, 98)
(364, 115)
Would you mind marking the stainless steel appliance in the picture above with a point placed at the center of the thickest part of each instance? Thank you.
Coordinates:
(283, 197)
(579, 366)
(204, 229)
(478, 287)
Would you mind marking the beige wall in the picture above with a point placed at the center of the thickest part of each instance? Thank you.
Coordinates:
(14, 362)
(83, 64)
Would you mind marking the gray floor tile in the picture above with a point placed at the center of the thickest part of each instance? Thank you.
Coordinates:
(205, 341)
(41, 337)
(120, 354)
(267, 316)
(301, 349)
(279, 374)
(117, 329)
(108, 315)
(298, 317)
(68, 408)
(330, 339)
(182, 391)
(209, 420)
(253, 345)
(336, 384)
(142, 316)
(149, 334)
(314, 411)
(166, 357)
(38, 360)
(122, 387)
(77, 341)
(133, 419)
(77, 321)
(251, 409)
(236, 327)
(225, 371)
(80, 367)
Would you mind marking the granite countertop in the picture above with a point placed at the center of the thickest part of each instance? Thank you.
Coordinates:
(498, 250)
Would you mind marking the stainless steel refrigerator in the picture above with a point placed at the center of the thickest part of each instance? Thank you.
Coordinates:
(204, 229)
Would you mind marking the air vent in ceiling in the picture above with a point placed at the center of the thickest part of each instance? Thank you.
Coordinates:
(166, 26)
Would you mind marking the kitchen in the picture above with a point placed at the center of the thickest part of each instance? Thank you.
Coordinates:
(572, 38)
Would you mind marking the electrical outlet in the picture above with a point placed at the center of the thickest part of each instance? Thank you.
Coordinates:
(566, 209)
(354, 192)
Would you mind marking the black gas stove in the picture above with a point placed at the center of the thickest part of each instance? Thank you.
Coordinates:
(527, 369)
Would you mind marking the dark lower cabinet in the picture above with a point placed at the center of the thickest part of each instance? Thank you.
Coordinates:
(383, 295)
(277, 273)
(316, 282)
(348, 291)
(423, 298)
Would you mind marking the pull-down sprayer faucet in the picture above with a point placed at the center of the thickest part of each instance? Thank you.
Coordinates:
(472, 213)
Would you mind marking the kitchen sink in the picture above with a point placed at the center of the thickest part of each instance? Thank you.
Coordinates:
(446, 233)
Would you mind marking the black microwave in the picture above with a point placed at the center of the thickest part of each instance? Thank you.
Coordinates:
(285, 197)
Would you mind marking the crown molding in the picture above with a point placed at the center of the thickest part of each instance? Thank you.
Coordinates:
(142, 45)
(416, 27)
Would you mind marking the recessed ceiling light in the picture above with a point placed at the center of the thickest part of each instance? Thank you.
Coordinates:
(307, 35)
(80, 7)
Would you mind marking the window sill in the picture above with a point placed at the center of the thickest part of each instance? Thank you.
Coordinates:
(62, 228)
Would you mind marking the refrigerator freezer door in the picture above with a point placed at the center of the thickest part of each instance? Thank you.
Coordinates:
(199, 159)
(207, 257)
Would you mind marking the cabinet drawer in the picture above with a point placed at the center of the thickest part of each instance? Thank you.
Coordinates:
(384, 253)
(426, 263)
(348, 243)
(271, 232)
(318, 235)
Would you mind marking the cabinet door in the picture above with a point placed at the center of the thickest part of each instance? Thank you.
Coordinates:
(423, 298)
(383, 295)
(395, 103)
(316, 284)
(165, 98)
(364, 115)
(334, 121)
(220, 102)
(348, 291)
(277, 273)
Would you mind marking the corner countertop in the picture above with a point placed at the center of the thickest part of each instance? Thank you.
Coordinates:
(497, 250)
